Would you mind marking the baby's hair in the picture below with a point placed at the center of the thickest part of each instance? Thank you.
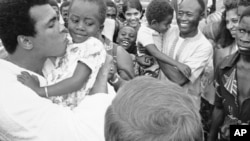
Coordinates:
(102, 8)
(158, 10)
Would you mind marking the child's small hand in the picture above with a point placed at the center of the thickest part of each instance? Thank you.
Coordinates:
(145, 60)
(29, 80)
(184, 69)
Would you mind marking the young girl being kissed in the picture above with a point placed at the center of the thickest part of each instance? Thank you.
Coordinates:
(72, 76)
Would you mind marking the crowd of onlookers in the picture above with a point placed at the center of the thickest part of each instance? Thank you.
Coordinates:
(117, 70)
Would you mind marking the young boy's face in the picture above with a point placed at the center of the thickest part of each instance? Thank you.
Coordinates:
(164, 25)
(83, 21)
(126, 37)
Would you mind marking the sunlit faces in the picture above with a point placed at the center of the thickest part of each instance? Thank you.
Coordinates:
(243, 33)
(83, 21)
(188, 17)
(111, 13)
(132, 16)
(126, 37)
(232, 21)
(164, 25)
(50, 39)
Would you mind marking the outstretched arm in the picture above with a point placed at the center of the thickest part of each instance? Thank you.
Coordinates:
(66, 86)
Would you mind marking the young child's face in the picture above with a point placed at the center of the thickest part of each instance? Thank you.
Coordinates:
(132, 16)
(83, 21)
(164, 25)
(126, 37)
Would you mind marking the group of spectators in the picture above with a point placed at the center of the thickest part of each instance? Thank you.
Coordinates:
(117, 71)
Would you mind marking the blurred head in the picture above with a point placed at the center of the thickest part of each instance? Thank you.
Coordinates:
(126, 37)
(243, 36)
(64, 9)
(111, 10)
(159, 15)
(119, 4)
(34, 28)
(147, 109)
(86, 19)
(242, 5)
(189, 14)
(132, 10)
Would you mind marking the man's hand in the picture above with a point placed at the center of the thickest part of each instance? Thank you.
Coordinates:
(184, 69)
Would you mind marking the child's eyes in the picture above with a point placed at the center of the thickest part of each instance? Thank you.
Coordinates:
(74, 20)
(89, 23)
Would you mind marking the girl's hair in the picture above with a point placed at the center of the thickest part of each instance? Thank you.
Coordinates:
(131, 4)
(224, 38)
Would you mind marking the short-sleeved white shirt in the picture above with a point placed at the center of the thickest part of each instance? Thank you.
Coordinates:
(196, 52)
(147, 36)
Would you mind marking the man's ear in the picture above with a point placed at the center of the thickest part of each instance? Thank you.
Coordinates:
(202, 15)
(25, 42)
(153, 22)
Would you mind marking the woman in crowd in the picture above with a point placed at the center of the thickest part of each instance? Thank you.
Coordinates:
(225, 40)
(132, 10)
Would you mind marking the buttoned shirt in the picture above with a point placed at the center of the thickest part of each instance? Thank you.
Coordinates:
(227, 93)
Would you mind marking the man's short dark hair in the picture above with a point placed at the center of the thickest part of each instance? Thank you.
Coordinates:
(201, 3)
(15, 20)
(246, 13)
(243, 2)
(158, 10)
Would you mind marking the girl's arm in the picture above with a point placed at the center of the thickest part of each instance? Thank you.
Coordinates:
(66, 86)
(152, 49)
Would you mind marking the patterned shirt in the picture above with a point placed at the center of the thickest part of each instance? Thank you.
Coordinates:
(91, 52)
(227, 93)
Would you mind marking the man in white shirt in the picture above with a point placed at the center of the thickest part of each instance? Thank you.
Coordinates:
(186, 44)
(31, 33)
